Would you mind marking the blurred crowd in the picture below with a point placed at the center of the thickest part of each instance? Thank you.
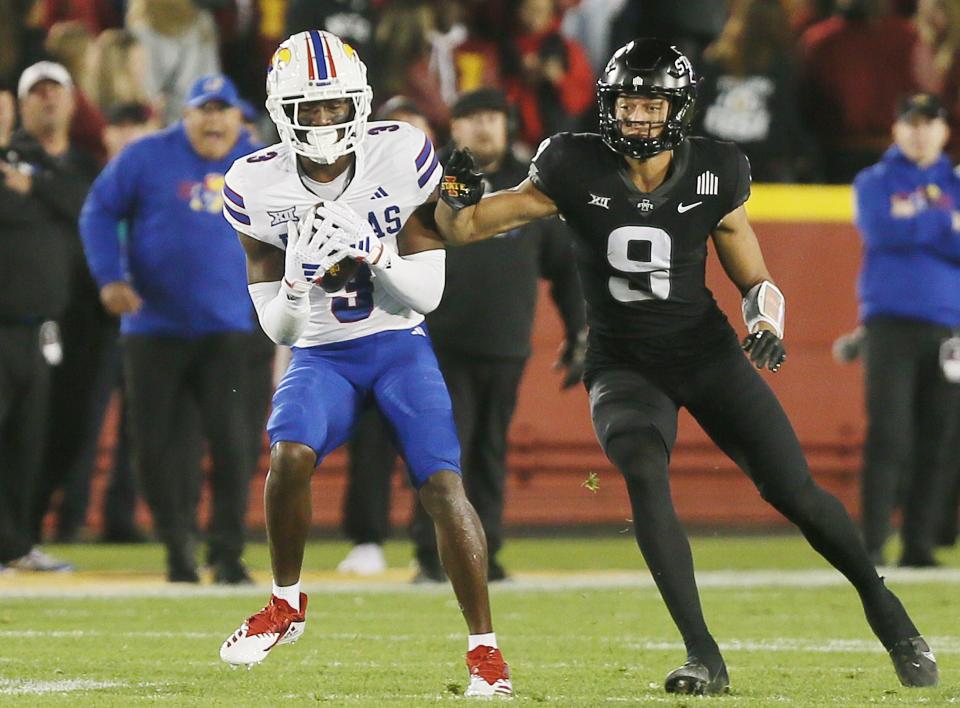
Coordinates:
(808, 88)
(793, 81)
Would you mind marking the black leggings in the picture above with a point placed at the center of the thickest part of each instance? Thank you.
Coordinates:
(635, 417)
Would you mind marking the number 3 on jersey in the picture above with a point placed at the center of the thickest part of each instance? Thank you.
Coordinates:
(642, 250)
(358, 304)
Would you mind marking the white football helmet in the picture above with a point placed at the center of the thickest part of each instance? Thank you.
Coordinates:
(317, 66)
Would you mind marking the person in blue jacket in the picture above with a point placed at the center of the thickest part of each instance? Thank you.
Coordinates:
(909, 290)
(179, 285)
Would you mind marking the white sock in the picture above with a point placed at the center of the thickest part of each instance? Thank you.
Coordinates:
(481, 640)
(290, 593)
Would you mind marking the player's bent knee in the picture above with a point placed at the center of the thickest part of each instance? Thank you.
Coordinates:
(290, 460)
(791, 499)
(637, 452)
(442, 492)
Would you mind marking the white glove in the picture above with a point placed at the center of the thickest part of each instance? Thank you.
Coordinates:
(352, 233)
(310, 253)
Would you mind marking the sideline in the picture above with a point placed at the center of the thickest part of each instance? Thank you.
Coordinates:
(90, 584)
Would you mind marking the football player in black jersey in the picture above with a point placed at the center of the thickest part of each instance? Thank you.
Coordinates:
(643, 198)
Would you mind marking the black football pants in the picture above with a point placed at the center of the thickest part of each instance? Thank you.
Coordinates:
(634, 412)
(161, 375)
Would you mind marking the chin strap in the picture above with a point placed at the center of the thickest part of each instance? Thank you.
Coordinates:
(764, 303)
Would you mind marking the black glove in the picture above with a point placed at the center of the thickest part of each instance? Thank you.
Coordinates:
(462, 183)
(571, 358)
(765, 350)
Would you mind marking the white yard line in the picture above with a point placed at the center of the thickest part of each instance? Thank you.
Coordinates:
(942, 644)
(31, 687)
(89, 585)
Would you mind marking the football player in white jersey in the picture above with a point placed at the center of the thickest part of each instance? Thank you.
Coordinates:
(342, 262)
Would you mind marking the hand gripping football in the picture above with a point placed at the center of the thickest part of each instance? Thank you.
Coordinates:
(338, 274)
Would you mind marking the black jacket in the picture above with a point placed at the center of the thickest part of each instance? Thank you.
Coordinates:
(41, 259)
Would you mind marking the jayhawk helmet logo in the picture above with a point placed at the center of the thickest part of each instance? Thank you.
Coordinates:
(281, 58)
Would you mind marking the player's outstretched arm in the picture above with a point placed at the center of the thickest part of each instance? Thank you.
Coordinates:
(464, 215)
(739, 251)
(415, 275)
(763, 303)
(420, 232)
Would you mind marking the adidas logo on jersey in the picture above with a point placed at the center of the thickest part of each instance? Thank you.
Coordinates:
(707, 183)
(380, 193)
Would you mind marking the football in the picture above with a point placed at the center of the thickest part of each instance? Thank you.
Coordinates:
(338, 275)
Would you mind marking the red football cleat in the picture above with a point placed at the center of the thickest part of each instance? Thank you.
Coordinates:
(275, 624)
(489, 674)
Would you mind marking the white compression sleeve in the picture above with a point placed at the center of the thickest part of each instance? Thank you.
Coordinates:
(416, 280)
(282, 316)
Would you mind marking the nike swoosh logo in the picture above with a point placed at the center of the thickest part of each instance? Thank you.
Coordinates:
(929, 655)
(682, 208)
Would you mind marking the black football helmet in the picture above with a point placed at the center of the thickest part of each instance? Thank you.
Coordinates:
(647, 67)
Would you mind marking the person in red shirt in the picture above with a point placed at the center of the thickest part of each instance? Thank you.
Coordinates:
(847, 99)
(936, 60)
(550, 80)
(96, 15)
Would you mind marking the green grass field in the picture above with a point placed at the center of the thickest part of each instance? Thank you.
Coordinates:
(581, 626)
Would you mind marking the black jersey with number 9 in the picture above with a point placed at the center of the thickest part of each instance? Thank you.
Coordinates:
(642, 256)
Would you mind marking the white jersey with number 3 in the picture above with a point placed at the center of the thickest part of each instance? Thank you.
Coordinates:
(395, 170)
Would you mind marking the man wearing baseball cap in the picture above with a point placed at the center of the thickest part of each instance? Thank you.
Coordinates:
(920, 106)
(179, 286)
(908, 213)
(43, 71)
(43, 181)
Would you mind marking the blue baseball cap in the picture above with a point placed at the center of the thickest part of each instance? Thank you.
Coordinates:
(213, 87)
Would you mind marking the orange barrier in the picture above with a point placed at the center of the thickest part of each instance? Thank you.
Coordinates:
(813, 252)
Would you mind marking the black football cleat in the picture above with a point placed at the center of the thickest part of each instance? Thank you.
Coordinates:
(429, 571)
(694, 678)
(915, 664)
(231, 572)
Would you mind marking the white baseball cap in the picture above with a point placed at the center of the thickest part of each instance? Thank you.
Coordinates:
(43, 71)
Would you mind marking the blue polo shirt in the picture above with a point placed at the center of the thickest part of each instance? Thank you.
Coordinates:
(911, 265)
(179, 254)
